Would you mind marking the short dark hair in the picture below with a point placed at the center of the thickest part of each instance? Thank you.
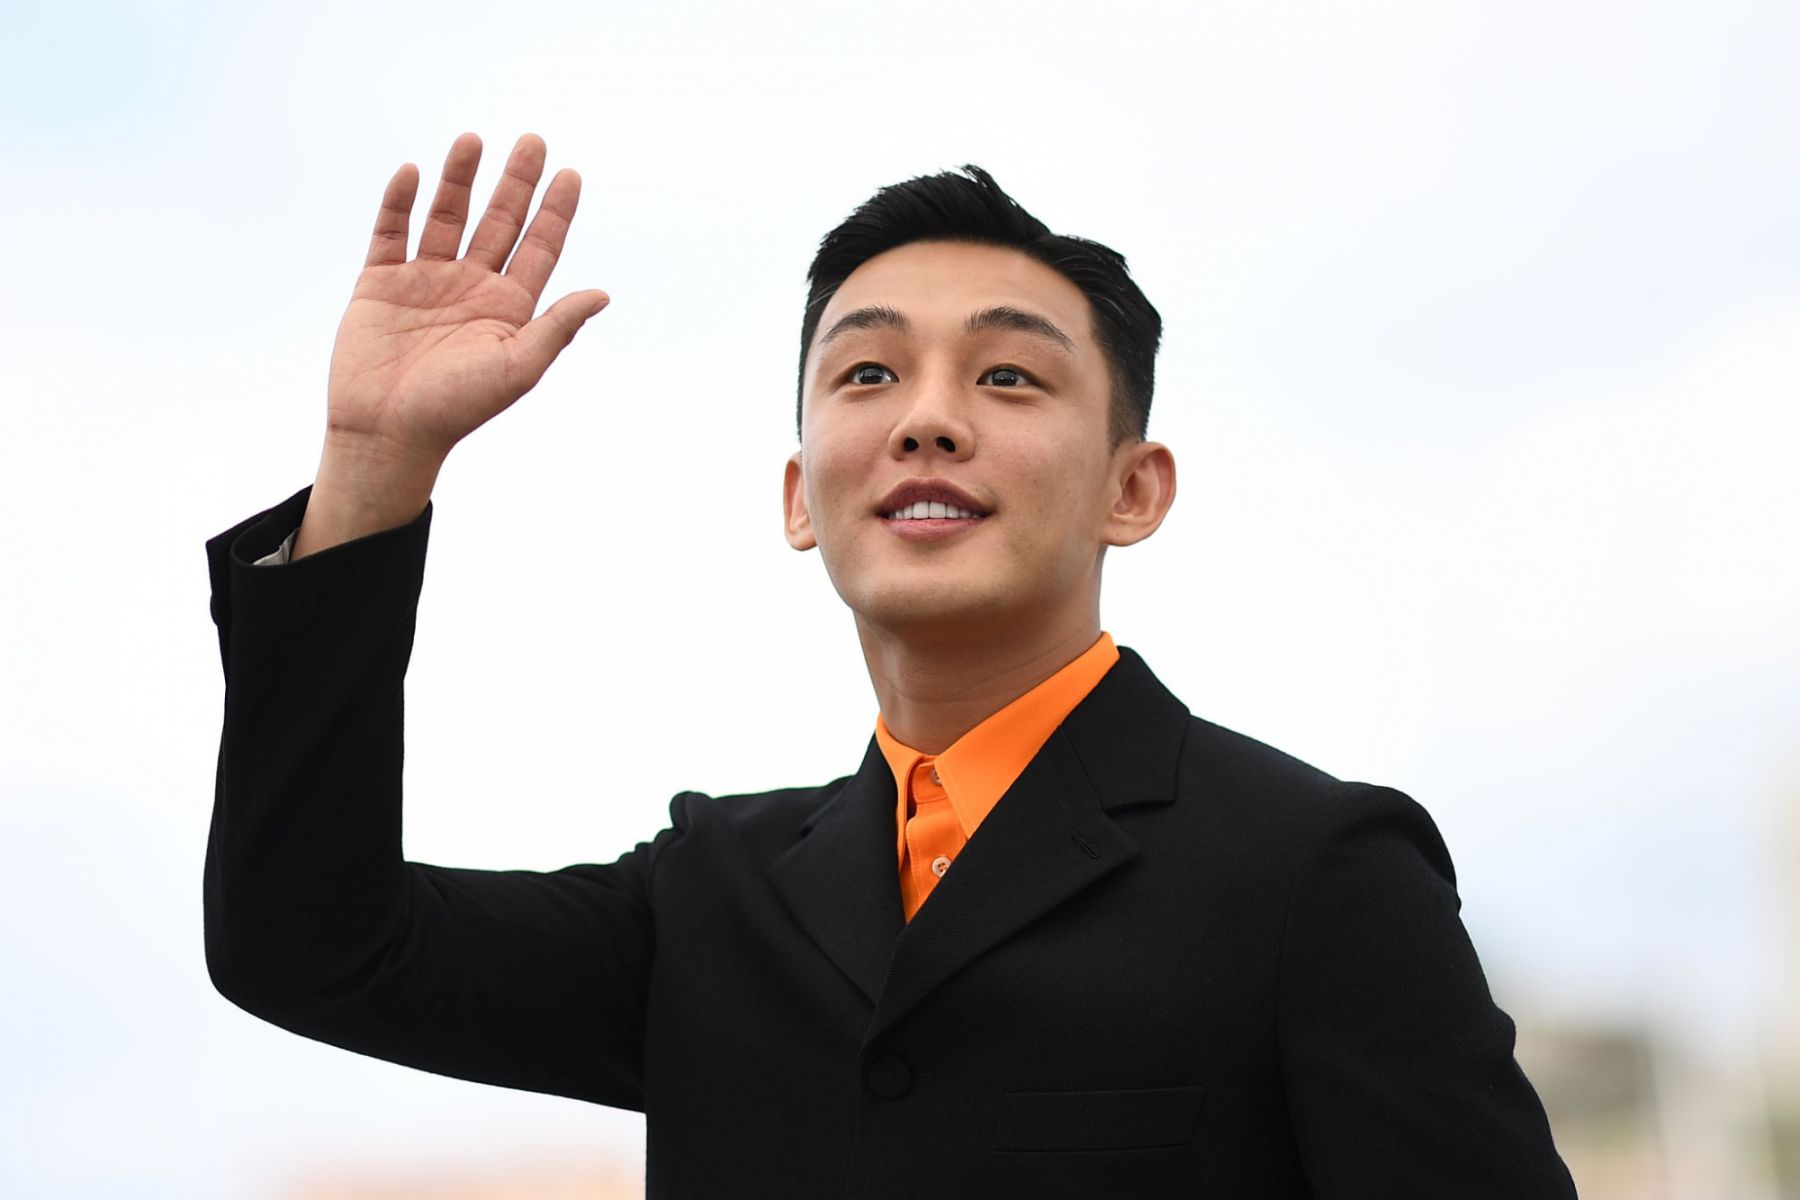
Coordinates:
(949, 207)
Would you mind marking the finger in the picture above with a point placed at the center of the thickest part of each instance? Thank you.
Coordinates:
(505, 214)
(450, 207)
(388, 245)
(536, 346)
(536, 256)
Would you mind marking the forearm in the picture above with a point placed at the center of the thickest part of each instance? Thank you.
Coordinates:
(314, 921)
(304, 869)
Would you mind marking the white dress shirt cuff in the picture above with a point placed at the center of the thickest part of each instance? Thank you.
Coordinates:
(279, 556)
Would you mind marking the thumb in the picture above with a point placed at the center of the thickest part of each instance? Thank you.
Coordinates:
(536, 346)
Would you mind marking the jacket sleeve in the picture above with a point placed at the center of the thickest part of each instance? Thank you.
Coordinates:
(1398, 1065)
(313, 919)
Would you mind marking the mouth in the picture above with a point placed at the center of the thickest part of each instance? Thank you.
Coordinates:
(932, 500)
(932, 510)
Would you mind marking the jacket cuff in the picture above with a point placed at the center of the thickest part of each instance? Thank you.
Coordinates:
(358, 576)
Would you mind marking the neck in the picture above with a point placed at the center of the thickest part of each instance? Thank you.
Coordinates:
(934, 686)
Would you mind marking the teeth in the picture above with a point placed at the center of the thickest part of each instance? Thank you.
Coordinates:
(924, 510)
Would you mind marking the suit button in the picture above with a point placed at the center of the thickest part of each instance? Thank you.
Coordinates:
(889, 1077)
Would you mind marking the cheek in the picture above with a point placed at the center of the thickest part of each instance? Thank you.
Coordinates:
(831, 486)
(1064, 505)
(837, 488)
(842, 457)
(1046, 485)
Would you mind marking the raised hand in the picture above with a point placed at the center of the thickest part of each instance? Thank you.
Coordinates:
(430, 350)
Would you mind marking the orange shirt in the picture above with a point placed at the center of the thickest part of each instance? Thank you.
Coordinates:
(942, 798)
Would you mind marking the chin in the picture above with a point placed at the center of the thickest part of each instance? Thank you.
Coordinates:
(919, 606)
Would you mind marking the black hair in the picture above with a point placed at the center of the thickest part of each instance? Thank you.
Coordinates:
(950, 207)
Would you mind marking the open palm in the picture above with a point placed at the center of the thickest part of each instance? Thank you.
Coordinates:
(432, 348)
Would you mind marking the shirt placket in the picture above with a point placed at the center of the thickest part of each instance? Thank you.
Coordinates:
(933, 835)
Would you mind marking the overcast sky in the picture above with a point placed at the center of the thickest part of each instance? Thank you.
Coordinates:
(1480, 369)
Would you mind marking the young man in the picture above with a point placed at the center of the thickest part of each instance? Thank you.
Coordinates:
(1054, 937)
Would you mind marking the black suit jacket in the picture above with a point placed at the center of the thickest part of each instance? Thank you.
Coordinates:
(1171, 962)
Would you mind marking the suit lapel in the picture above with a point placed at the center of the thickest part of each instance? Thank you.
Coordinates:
(842, 879)
(1048, 838)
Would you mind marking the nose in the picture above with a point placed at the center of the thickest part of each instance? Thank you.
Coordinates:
(934, 424)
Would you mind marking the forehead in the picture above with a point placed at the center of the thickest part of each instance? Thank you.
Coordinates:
(937, 285)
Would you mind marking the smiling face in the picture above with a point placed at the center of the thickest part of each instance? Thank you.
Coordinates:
(955, 468)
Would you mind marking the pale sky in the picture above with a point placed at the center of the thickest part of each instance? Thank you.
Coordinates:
(1480, 367)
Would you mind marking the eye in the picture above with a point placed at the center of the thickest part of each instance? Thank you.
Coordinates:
(1023, 378)
(856, 373)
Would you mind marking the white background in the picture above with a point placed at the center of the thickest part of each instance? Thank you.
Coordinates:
(1481, 362)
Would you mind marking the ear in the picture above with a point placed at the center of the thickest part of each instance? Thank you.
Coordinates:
(793, 504)
(1146, 476)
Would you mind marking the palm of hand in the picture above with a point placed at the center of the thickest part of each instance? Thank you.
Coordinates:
(425, 352)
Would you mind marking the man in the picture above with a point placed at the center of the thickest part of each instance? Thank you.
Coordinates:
(1054, 937)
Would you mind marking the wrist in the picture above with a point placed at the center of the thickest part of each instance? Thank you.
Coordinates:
(363, 488)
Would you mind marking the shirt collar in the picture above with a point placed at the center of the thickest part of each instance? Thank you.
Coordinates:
(979, 767)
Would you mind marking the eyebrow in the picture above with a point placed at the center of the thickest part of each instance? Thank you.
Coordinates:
(1001, 316)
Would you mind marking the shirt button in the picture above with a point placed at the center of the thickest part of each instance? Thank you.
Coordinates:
(934, 777)
(939, 865)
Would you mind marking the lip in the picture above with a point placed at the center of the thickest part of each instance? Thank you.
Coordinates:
(929, 489)
(931, 529)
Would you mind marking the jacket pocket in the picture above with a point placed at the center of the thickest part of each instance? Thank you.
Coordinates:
(1127, 1119)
